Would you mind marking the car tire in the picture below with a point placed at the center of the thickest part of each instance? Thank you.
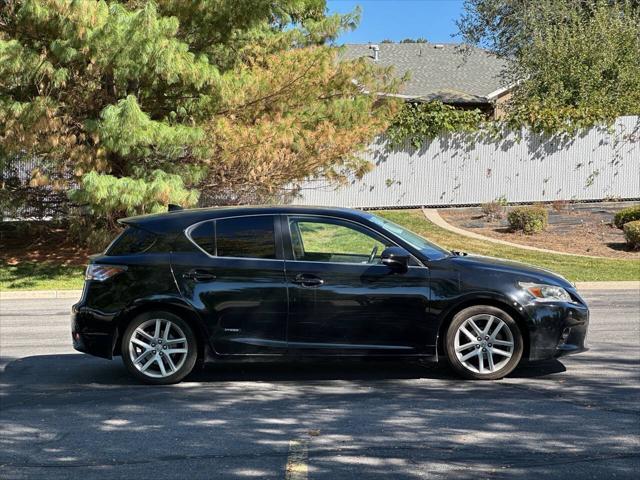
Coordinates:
(483, 343)
(159, 348)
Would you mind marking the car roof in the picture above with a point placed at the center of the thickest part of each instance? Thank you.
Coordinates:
(180, 219)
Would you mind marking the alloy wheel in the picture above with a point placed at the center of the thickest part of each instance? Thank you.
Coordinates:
(484, 344)
(158, 348)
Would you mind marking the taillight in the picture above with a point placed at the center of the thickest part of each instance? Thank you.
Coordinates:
(100, 273)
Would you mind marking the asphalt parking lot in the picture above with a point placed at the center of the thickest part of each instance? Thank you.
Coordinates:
(67, 415)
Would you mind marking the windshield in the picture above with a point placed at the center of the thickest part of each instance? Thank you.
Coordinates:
(428, 249)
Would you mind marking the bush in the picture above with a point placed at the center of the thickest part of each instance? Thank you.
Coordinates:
(495, 209)
(632, 234)
(528, 219)
(626, 215)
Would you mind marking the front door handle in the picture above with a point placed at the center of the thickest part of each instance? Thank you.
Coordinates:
(199, 275)
(308, 280)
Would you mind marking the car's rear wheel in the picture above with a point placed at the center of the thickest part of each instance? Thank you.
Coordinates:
(159, 348)
(483, 343)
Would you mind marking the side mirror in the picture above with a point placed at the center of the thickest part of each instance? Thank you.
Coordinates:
(396, 258)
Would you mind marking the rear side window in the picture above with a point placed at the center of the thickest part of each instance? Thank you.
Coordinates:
(132, 240)
(246, 237)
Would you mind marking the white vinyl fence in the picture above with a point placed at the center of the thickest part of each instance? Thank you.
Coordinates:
(460, 169)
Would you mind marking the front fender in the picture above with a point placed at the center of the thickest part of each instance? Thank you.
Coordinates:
(478, 297)
(496, 299)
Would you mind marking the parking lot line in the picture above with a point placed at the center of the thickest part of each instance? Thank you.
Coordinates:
(297, 460)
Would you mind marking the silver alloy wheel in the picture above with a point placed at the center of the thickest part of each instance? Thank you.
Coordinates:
(484, 343)
(158, 348)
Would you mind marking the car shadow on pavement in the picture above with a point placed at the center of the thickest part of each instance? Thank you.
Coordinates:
(77, 369)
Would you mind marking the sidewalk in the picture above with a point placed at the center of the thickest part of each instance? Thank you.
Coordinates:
(39, 294)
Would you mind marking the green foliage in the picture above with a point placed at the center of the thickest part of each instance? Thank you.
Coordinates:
(126, 130)
(418, 122)
(107, 197)
(632, 233)
(626, 215)
(529, 220)
(575, 63)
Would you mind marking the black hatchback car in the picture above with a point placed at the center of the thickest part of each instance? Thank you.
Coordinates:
(193, 286)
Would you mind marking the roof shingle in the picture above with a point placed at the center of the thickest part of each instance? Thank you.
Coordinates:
(439, 72)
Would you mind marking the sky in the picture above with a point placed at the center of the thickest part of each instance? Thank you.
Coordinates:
(399, 19)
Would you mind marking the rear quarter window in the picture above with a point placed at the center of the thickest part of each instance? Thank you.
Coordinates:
(132, 240)
(204, 236)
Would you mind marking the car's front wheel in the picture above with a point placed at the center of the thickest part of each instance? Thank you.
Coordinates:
(483, 343)
(159, 348)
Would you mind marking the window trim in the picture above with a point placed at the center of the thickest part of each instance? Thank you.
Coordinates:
(277, 237)
(286, 216)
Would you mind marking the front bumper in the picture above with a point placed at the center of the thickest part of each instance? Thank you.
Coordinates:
(557, 329)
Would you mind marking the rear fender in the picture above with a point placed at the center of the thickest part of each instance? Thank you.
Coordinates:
(170, 303)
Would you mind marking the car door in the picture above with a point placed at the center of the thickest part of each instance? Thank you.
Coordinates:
(235, 279)
(343, 300)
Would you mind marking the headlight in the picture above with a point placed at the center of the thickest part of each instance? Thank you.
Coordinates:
(547, 293)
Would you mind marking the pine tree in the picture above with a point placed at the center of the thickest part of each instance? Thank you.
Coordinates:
(237, 100)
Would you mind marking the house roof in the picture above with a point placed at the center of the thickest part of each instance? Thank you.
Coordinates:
(439, 71)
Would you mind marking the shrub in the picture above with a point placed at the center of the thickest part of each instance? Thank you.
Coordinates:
(632, 234)
(626, 215)
(494, 209)
(528, 219)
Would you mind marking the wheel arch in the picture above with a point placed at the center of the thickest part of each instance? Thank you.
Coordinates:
(498, 302)
(171, 305)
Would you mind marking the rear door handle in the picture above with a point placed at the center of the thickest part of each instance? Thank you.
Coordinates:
(308, 280)
(199, 275)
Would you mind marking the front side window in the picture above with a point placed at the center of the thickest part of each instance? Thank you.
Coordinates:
(246, 237)
(326, 240)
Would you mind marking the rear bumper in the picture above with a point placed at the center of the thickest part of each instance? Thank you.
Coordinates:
(92, 332)
(557, 329)
(99, 345)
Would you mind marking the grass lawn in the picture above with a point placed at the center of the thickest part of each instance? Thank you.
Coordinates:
(51, 276)
(577, 269)
(40, 276)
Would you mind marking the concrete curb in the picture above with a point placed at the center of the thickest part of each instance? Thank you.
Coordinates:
(630, 285)
(39, 294)
(433, 216)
